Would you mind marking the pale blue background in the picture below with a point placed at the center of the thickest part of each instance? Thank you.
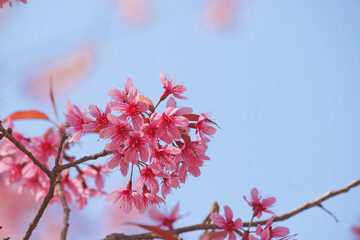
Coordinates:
(283, 85)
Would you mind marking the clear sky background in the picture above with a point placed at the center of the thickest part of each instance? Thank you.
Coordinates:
(283, 84)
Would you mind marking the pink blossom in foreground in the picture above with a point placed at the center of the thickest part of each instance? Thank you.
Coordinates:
(147, 199)
(203, 129)
(76, 119)
(169, 181)
(163, 219)
(259, 205)
(118, 131)
(171, 88)
(147, 175)
(150, 130)
(136, 143)
(228, 225)
(117, 159)
(269, 232)
(124, 198)
(121, 95)
(164, 157)
(168, 124)
(132, 108)
(100, 121)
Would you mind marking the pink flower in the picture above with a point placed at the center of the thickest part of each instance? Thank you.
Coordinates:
(45, 147)
(259, 205)
(147, 199)
(150, 130)
(164, 157)
(38, 184)
(132, 108)
(11, 170)
(118, 131)
(100, 121)
(193, 154)
(168, 124)
(171, 88)
(136, 143)
(117, 159)
(76, 119)
(270, 233)
(185, 169)
(120, 95)
(228, 225)
(146, 174)
(203, 129)
(124, 198)
(96, 172)
(163, 219)
(169, 181)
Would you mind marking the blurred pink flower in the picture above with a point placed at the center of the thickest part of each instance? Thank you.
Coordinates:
(221, 14)
(66, 72)
(163, 219)
(134, 12)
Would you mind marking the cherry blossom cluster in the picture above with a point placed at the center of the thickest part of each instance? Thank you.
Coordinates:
(161, 146)
(17, 168)
(158, 145)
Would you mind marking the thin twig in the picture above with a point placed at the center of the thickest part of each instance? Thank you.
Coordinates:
(81, 160)
(316, 202)
(42, 208)
(60, 191)
(8, 135)
(61, 148)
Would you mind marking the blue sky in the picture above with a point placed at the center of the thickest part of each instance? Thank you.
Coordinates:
(283, 85)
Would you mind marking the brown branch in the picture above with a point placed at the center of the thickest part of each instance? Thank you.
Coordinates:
(42, 208)
(7, 133)
(316, 202)
(81, 160)
(60, 191)
(61, 147)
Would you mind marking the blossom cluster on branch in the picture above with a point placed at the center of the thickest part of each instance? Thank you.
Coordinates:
(161, 146)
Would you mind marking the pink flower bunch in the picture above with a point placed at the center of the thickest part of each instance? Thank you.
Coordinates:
(17, 168)
(158, 144)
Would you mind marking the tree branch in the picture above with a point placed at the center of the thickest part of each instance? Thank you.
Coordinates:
(316, 202)
(61, 147)
(7, 133)
(42, 208)
(81, 160)
(59, 190)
